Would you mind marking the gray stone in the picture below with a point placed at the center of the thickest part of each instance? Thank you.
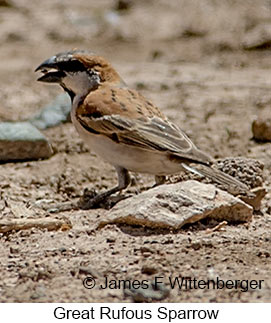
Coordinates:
(174, 205)
(54, 113)
(22, 141)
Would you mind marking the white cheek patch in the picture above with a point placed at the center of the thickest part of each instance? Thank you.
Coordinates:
(80, 83)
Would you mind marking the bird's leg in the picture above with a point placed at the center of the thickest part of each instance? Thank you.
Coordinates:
(123, 182)
(159, 180)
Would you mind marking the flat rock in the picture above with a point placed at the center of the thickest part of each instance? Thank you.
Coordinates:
(174, 205)
(54, 113)
(22, 141)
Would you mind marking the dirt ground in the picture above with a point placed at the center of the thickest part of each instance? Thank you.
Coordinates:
(187, 56)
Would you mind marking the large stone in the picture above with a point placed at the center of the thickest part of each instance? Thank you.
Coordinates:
(174, 205)
(22, 141)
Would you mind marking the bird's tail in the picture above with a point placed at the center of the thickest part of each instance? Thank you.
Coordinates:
(229, 183)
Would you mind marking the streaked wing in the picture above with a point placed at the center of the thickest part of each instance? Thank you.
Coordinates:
(149, 134)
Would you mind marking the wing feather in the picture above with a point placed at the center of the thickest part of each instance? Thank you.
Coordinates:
(151, 134)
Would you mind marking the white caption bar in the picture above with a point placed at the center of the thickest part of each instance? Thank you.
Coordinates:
(133, 312)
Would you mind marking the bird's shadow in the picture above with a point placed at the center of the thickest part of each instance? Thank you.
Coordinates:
(203, 225)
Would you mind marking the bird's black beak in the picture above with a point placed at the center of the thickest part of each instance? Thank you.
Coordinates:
(51, 71)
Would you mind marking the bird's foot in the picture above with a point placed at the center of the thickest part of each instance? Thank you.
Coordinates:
(159, 180)
(92, 200)
(89, 200)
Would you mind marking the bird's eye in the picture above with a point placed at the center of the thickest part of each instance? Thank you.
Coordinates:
(92, 72)
(71, 66)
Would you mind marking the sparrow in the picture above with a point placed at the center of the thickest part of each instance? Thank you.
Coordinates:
(123, 127)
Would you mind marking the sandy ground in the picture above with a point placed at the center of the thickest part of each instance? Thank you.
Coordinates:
(186, 56)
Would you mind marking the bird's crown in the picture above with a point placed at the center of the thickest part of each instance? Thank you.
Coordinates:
(75, 61)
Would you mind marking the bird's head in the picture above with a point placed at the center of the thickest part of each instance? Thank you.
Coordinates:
(77, 71)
